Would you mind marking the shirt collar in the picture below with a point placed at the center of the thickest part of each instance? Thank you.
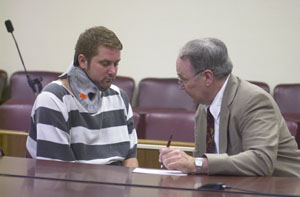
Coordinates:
(215, 106)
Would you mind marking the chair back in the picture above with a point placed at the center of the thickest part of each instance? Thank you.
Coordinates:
(15, 115)
(127, 84)
(160, 124)
(163, 93)
(287, 97)
(19, 87)
(261, 84)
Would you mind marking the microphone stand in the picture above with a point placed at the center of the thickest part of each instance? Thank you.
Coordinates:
(33, 83)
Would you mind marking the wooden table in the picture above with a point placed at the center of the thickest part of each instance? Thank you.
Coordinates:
(30, 177)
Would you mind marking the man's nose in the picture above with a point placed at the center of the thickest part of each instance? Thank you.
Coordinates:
(112, 70)
(181, 87)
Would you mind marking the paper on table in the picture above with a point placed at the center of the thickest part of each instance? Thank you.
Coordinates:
(159, 171)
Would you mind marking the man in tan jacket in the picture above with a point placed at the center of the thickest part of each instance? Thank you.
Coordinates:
(248, 135)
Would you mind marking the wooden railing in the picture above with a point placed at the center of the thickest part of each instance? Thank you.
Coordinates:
(13, 143)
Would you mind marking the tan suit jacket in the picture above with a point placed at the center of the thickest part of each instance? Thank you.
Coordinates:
(253, 137)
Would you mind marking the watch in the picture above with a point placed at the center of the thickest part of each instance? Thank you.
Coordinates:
(198, 164)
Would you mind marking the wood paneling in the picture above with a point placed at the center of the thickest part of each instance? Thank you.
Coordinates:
(14, 144)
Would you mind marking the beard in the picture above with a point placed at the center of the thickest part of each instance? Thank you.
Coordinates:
(105, 83)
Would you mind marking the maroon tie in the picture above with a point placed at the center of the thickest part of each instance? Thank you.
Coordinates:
(210, 134)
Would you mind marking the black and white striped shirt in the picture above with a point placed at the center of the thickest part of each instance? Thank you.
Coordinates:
(61, 129)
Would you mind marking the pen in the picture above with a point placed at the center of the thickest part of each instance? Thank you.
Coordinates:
(168, 145)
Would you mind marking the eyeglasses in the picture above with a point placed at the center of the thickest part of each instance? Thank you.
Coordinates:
(182, 82)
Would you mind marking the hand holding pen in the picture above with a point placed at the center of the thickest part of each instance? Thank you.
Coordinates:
(168, 145)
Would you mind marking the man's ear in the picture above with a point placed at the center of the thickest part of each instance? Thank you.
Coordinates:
(82, 61)
(209, 77)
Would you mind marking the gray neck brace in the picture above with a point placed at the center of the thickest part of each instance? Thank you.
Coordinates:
(84, 89)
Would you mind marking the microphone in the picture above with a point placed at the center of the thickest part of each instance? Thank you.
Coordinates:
(213, 187)
(32, 82)
(9, 26)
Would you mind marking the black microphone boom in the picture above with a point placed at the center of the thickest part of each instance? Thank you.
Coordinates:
(32, 82)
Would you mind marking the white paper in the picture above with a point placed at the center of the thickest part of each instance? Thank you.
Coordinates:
(159, 171)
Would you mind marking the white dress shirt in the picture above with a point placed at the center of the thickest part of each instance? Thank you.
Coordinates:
(215, 108)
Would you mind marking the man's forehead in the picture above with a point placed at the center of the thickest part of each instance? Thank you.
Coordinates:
(101, 47)
(109, 52)
(183, 62)
(183, 66)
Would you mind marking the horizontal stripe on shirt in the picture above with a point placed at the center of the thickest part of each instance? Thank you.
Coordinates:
(61, 129)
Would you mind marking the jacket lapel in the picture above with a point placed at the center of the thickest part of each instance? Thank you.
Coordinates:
(200, 135)
(229, 94)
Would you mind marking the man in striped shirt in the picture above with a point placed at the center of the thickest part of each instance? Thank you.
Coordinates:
(82, 117)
